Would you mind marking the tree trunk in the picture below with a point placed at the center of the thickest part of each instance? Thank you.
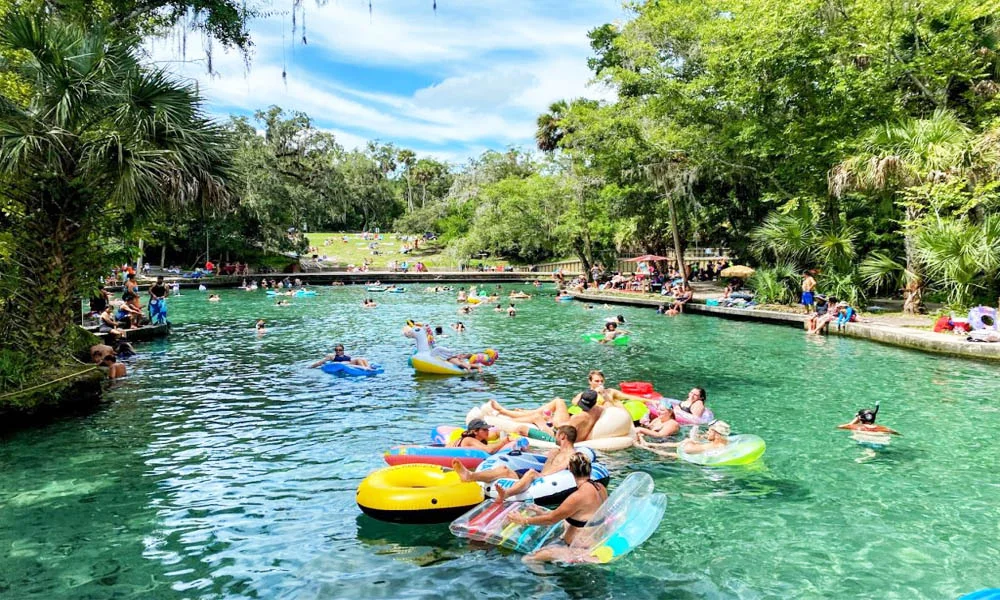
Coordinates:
(409, 193)
(582, 248)
(678, 249)
(52, 254)
(163, 257)
(913, 297)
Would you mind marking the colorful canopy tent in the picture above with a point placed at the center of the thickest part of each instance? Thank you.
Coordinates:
(647, 258)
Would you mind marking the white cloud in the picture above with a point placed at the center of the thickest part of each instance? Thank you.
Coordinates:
(409, 32)
(480, 89)
(492, 68)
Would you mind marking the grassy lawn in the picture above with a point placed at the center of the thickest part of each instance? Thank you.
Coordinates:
(355, 250)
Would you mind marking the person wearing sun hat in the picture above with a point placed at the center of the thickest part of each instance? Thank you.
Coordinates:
(716, 438)
(844, 315)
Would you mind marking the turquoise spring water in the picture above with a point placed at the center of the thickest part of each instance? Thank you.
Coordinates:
(224, 468)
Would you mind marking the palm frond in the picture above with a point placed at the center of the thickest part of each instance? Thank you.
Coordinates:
(881, 271)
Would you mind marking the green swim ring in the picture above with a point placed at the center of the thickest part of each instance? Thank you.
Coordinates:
(621, 340)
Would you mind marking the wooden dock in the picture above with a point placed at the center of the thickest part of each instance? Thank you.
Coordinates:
(142, 334)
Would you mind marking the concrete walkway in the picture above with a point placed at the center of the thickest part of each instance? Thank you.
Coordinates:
(868, 329)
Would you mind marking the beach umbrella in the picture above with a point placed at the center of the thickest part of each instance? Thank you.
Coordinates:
(647, 258)
(737, 271)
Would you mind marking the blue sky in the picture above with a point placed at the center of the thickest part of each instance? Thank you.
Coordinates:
(451, 83)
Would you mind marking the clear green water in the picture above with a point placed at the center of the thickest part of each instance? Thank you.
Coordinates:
(224, 468)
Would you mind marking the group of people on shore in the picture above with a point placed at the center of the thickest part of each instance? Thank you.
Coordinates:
(117, 316)
(823, 310)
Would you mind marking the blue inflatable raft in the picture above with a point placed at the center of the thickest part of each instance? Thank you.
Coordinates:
(342, 369)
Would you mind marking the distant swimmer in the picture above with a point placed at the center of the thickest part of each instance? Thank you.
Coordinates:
(611, 332)
(116, 370)
(339, 356)
(865, 421)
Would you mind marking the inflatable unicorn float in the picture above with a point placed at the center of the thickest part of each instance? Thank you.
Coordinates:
(438, 360)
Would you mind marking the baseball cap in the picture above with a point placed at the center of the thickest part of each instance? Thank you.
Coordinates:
(477, 424)
(587, 400)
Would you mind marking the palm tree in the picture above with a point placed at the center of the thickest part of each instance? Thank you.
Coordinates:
(101, 141)
(407, 158)
(425, 172)
(805, 239)
(893, 158)
(550, 127)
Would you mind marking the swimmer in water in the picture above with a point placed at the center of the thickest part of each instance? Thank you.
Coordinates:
(611, 332)
(339, 356)
(865, 421)
(261, 328)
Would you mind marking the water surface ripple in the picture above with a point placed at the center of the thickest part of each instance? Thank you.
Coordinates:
(224, 468)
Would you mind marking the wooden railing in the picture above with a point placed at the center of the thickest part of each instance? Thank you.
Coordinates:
(699, 256)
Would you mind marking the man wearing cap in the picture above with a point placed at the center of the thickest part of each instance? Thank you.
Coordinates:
(717, 437)
(477, 435)
(583, 421)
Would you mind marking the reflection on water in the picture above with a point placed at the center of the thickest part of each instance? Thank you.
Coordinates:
(223, 467)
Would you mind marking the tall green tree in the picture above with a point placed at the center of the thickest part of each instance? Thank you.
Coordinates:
(899, 156)
(101, 137)
(408, 158)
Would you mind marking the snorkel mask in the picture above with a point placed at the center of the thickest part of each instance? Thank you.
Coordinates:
(867, 415)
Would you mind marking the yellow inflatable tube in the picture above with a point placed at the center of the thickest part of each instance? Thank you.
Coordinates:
(424, 363)
(417, 494)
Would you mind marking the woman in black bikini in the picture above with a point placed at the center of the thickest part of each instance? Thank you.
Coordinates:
(694, 404)
(666, 425)
(577, 510)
